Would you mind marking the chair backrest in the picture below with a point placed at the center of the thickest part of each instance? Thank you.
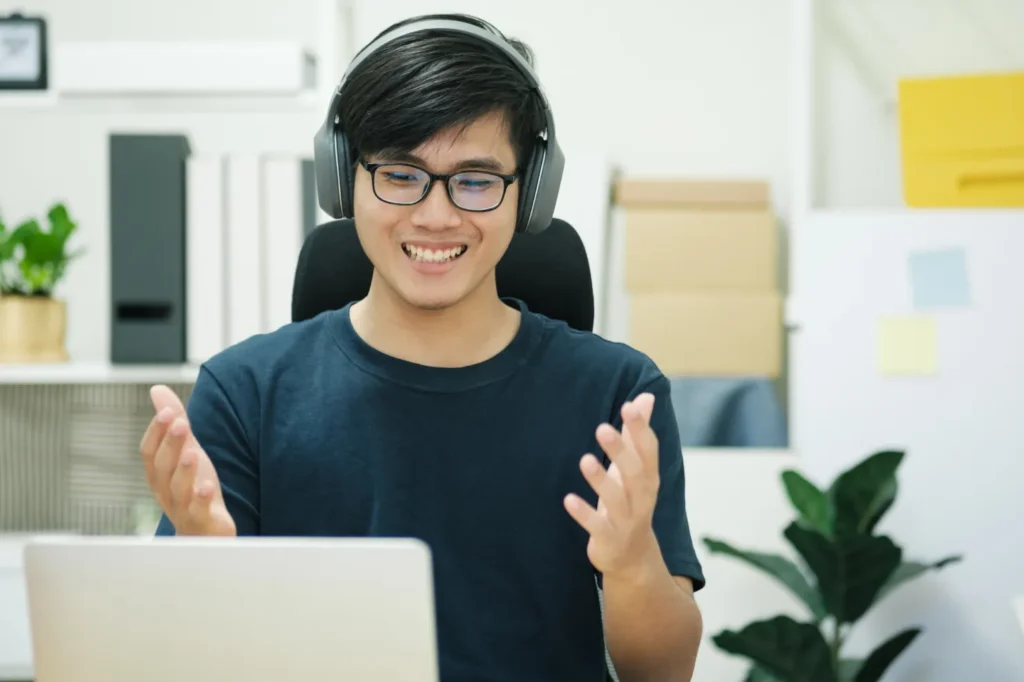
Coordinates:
(548, 271)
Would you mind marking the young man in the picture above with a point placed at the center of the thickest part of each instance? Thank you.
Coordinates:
(533, 459)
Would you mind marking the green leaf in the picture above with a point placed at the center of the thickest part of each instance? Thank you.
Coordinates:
(780, 568)
(61, 225)
(908, 570)
(43, 248)
(848, 668)
(791, 651)
(813, 504)
(757, 674)
(862, 495)
(9, 246)
(850, 570)
(882, 657)
(39, 256)
(24, 232)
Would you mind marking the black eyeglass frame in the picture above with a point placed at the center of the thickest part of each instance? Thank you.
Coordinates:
(371, 168)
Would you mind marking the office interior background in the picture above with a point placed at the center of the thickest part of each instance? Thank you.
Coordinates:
(809, 212)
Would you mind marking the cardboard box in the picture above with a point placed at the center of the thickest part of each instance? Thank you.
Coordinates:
(701, 251)
(709, 335)
(692, 193)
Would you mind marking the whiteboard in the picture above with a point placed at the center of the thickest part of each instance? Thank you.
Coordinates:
(962, 482)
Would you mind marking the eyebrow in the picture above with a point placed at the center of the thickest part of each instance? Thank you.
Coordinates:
(482, 163)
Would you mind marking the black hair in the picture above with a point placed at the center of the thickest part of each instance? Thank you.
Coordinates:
(428, 81)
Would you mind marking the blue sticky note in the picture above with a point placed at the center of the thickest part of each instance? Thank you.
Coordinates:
(938, 279)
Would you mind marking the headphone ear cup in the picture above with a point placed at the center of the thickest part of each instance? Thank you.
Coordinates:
(325, 166)
(346, 177)
(528, 192)
(527, 189)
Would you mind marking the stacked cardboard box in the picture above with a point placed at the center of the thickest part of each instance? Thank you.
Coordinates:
(702, 273)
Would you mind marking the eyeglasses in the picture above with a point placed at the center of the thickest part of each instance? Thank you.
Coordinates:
(404, 185)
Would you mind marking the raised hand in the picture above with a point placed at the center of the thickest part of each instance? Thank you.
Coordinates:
(622, 540)
(180, 473)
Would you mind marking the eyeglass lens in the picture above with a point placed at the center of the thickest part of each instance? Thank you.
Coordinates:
(471, 190)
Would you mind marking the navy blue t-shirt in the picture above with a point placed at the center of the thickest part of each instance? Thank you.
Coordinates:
(315, 433)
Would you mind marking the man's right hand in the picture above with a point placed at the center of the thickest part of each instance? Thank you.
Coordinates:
(180, 473)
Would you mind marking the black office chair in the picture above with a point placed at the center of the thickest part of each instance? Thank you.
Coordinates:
(547, 271)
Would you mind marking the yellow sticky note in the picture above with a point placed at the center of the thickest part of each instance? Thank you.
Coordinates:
(906, 345)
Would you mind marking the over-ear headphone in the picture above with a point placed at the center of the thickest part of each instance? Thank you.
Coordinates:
(540, 175)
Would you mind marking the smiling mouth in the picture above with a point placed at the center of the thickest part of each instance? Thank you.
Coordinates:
(425, 255)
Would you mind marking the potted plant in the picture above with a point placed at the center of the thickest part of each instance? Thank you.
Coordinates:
(33, 261)
(846, 569)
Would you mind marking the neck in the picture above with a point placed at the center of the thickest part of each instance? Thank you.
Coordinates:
(473, 330)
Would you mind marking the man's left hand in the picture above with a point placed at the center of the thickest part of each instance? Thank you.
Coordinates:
(622, 540)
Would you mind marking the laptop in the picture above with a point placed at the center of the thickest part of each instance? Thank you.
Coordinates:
(125, 609)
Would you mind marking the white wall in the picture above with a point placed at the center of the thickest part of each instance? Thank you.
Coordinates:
(666, 87)
(684, 88)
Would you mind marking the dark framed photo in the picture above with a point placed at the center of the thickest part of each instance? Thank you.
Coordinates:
(23, 53)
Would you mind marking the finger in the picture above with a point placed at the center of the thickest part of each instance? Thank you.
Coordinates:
(207, 510)
(621, 453)
(645, 404)
(162, 396)
(609, 490)
(586, 515)
(199, 505)
(166, 458)
(183, 480)
(152, 437)
(638, 432)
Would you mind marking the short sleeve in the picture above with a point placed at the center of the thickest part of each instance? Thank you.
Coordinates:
(223, 433)
(671, 525)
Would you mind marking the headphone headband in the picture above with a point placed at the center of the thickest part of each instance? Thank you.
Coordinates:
(542, 172)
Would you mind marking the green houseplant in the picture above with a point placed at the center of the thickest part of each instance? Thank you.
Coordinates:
(846, 569)
(33, 261)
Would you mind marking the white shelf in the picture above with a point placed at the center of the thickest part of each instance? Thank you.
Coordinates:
(307, 102)
(27, 99)
(183, 68)
(168, 76)
(95, 373)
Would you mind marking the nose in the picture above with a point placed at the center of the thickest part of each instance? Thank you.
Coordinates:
(436, 211)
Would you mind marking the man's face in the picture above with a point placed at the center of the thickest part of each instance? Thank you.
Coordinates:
(434, 254)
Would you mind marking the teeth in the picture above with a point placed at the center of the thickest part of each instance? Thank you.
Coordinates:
(431, 256)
